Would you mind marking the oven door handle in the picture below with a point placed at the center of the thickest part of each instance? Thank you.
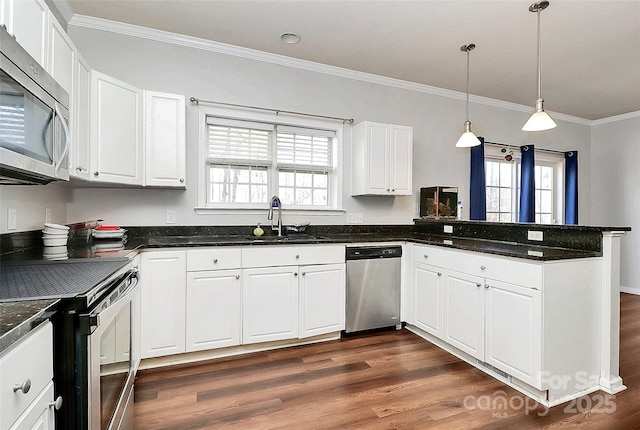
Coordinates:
(89, 322)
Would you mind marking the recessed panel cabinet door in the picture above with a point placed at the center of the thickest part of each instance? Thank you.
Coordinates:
(29, 22)
(80, 137)
(213, 309)
(322, 299)
(513, 330)
(269, 304)
(401, 147)
(163, 302)
(427, 298)
(116, 130)
(464, 313)
(378, 158)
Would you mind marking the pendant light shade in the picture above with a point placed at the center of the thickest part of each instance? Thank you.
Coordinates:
(539, 120)
(468, 139)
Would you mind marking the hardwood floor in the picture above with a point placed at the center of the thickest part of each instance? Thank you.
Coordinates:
(385, 380)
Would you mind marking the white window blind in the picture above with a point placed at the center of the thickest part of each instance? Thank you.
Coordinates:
(12, 119)
(239, 142)
(308, 149)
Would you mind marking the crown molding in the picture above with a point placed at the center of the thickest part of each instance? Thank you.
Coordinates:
(616, 118)
(252, 54)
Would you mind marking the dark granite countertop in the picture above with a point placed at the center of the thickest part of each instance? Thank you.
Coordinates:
(17, 319)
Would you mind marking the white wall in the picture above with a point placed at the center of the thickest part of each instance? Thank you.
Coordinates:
(437, 122)
(30, 202)
(615, 178)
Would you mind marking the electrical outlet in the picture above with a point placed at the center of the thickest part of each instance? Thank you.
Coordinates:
(171, 216)
(11, 219)
(534, 235)
(355, 218)
(47, 214)
(448, 229)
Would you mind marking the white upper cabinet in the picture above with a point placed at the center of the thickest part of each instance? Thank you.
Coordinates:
(164, 139)
(61, 58)
(80, 119)
(116, 130)
(381, 159)
(28, 21)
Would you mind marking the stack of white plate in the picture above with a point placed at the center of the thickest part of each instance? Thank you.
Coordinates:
(55, 235)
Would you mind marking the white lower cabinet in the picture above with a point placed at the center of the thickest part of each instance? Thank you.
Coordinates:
(163, 303)
(28, 364)
(464, 313)
(427, 284)
(322, 298)
(269, 304)
(213, 309)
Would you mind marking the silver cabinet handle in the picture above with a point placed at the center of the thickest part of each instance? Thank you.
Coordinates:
(486, 286)
(57, 404)
(215, 260)
(237, 276)
(297, 257)
(79, 169)
(304, 273)
(181, 179)
(482, 267)
(478, 285)
(426, 256)
(295, 274)
(24, 387)
(439, 274)
(96, 173)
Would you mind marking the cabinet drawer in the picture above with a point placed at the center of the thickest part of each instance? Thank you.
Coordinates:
(287, 255)
(213, 259)
(428, 255)
(30, 359)
(499, 268)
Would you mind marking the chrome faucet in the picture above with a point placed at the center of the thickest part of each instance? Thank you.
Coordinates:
(275, 200)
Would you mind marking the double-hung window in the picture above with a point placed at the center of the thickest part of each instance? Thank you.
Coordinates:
(246, 162)
(503, 186)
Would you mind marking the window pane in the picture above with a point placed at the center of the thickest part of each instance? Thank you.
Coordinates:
(320, 198)
(259, 193)
(537, 202)
(505, 174)
(545, 219)
(303, 196)
(546, 178)
(237, 184)
(320, 180)
(505, 217)
(545, 201)
(493, 173)
(493, 199)
(304, 180)
(287, 196)
(286, 179)
(505, 200)
(493, 217)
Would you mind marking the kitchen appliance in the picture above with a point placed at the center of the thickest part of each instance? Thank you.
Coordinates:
(439, 202)
(373, 287)
(95, 357)
(34, 117)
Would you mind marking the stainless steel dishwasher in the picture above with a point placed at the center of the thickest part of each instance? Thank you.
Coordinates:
(373, 287)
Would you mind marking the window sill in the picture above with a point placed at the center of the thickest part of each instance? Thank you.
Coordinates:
(257, 211)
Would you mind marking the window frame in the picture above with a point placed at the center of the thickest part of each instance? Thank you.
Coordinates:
(250, 115)
(542, 158)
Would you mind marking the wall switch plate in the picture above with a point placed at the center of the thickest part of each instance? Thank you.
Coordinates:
(355, 218)
(534, 235)
(448, 229)
(11, 219)
(47, 214)
(171, 216)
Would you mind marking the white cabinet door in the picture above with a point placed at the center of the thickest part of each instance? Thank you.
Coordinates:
(464, 313)
(61, 57)
(322, 299)
(428, 298)
(401, 159)
(381, 159)
(269, 304)
(163, 278)
(213, 309)
(164, 139)
(80, 119)
(28, 21)
(513, 330)
(116, 130)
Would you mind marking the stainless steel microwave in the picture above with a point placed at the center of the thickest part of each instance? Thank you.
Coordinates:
(34, 118)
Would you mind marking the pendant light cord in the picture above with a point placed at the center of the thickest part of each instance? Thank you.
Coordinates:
(539, 57)
(467, 89)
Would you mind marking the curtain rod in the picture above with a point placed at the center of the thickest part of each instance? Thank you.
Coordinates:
(277, 111)
(518, 147)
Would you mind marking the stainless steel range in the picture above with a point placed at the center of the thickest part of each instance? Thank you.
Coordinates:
(94, 365)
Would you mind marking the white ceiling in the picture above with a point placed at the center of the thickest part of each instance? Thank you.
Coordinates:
(590, 49)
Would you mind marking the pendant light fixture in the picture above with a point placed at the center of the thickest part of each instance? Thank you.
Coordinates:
(539, 120)
(467, 139)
